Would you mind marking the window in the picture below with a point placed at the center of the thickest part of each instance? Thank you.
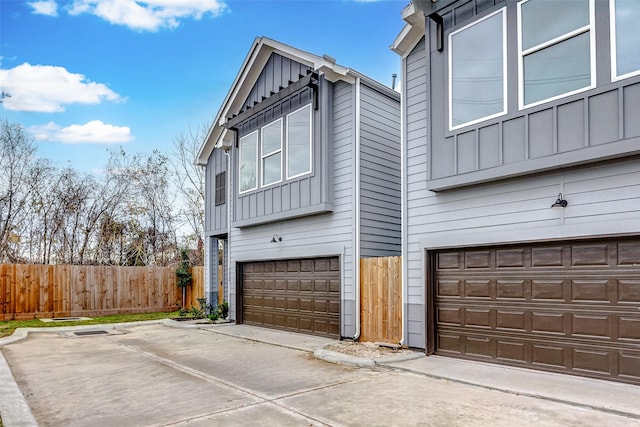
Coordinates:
(248, 162)
(220, 188)
(625, 48)
(556, 50)
(271, 149)
(477, 71)
(299, 142)
(262, 152)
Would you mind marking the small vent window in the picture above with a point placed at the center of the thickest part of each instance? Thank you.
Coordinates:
(220, 192)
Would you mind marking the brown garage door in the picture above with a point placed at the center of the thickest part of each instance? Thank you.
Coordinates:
(301, 295)
(563, 307)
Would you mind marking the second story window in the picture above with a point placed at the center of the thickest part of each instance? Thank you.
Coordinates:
(625, 45)
(299, 142)
(477, 71)
(556, 49)
(286, 142)
(248, 162)
(271, 149)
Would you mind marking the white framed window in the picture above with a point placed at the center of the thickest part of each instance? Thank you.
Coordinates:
(556, 47)
(248, 160)
(625, 44)
(478, 71)
(271, 152)
(299, 139)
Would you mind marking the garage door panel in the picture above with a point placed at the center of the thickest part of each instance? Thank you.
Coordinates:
(543, 354)
(629, 328)
(547, 289)
(298, 295)
(542, 257)
(629, 254)
(629, 365)
(479, 317)
(628, 290)
(477, 259)
(510, 258)
(590, 290)
(511, 319)
(591, 361)
(569, 307)
(591, 325)
(511, 351)
(590, 255)
(512, 289)
(477, 288)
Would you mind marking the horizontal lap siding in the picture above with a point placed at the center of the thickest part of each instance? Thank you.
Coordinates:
(415, 113)
(379, 174)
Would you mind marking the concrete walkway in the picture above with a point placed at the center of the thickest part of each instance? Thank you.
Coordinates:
(230, 373)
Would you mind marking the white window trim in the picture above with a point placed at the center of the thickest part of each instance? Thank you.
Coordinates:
(240, 163)
(614, 46)
(504, 71)
(263, 156)
(308, 106)
(521, 54)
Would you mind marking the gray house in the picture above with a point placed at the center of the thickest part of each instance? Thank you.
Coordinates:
(302, 180)
(521, 183)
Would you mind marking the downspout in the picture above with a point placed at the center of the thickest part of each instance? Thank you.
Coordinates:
(356, 247)
(403, 202)
(226, 252)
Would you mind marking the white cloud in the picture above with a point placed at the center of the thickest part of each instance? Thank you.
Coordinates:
(148, 15)
(44, 7)
(93, 132)
(45, 88)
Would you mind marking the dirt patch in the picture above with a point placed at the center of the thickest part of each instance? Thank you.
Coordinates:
(367, 349)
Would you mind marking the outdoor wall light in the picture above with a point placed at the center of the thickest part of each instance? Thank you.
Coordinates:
(560, 202)
(276, 239)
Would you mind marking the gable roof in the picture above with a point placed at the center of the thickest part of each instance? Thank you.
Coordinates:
(257, 57)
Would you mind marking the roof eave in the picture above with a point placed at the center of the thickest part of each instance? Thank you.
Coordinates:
(411, 33)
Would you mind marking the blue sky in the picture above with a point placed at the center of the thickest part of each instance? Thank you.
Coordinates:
(87, 76)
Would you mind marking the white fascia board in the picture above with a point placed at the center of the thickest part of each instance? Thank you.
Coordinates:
(411, 33)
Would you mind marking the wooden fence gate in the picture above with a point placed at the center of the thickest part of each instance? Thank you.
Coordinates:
(381, 299)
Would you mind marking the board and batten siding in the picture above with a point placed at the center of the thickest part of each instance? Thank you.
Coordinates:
(278, 72)
(604, 200)
(596, 124)
(294, 197)
(215, 221)
(324, 234)
(379, 174)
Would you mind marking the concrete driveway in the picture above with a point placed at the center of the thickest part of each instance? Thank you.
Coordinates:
(154, 375)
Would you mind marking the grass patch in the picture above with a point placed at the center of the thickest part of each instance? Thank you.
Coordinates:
(7, 327)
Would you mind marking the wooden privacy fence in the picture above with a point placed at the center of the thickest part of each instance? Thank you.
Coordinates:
(30, 291)
(381, 299)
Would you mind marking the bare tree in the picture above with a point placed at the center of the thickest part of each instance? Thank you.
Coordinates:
(21, 173)
(189, 183)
